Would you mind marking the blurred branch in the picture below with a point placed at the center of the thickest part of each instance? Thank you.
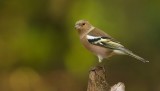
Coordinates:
(97, 81)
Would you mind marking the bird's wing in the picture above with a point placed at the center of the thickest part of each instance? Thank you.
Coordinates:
(106, 42)
(100, 33)
(100, 38)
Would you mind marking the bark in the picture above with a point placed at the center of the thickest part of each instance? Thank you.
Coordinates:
(97, 81)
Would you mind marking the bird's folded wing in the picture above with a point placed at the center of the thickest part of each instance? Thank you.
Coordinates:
(106, 42)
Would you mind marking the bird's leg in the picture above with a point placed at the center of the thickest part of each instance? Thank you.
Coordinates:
(100, 59)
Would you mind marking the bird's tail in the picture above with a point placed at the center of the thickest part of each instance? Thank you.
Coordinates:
(128, 52)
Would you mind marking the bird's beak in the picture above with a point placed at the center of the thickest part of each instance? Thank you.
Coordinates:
(77, 26)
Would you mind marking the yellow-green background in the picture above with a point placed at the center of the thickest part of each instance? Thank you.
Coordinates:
(40, 49)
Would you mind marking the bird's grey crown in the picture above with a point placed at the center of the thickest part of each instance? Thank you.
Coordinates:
(80, 21)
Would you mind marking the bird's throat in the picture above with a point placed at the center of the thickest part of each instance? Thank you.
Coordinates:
(89, 30)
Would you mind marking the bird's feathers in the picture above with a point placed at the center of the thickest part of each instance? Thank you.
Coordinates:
(99, 33)
(106, 42)
(103, 42)
(130, 53)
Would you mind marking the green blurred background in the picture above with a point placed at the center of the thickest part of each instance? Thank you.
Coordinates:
(40, 49)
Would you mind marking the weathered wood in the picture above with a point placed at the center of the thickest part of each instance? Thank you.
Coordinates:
(97, 81)
(118, 87)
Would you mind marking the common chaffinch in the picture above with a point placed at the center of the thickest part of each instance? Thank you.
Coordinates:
(100, 43)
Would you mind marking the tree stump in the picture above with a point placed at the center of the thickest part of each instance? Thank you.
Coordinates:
(97, 81)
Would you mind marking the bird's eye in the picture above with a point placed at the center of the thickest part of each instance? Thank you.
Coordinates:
(83, 23)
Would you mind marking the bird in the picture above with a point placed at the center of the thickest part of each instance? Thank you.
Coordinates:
(100, 43)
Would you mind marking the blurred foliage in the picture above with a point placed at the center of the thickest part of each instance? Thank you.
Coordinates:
(41, 51)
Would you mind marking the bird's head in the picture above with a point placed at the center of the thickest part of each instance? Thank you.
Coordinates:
(83, 26)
